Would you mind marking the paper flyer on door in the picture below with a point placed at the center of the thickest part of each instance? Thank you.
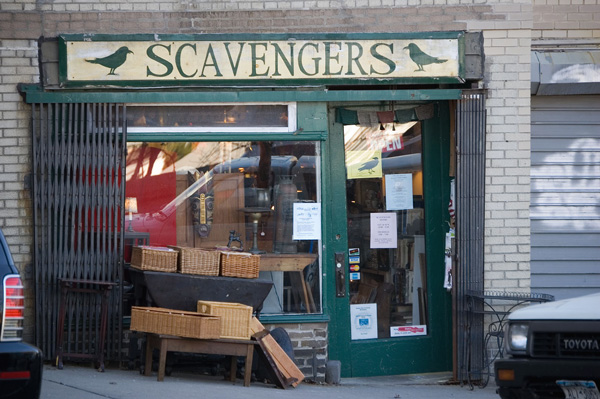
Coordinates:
(384, 230)
(363, 321)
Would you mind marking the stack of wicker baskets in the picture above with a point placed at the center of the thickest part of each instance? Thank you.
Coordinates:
(198, 261)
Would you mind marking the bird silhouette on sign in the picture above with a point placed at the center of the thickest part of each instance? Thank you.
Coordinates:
(112, 61)
(369, 165)
(420, 58)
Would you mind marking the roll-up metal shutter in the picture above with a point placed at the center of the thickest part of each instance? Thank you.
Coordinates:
(565, 195)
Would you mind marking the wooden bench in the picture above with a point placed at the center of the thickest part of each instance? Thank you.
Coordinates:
(229, 347)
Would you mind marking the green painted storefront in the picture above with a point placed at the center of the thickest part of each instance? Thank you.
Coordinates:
(316, 108)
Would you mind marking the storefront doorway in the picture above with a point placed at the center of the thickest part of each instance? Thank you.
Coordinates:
(390, 311)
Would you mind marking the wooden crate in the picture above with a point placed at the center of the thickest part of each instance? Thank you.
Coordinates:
(198, 261)
(175, 322)
(239, 264)
(235, 317)
(160, 259)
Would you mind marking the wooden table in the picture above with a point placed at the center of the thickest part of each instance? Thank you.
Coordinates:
(229, 347)
(294, 263)
(135, 238)
(272, 262)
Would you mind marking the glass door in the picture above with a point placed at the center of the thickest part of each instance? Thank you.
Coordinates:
(393, 315)
(385, 210)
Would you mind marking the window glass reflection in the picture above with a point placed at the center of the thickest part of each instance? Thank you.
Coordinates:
(386, 226)
(208, 116)
(197, 194)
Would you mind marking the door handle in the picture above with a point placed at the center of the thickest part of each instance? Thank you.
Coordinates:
(340, 274)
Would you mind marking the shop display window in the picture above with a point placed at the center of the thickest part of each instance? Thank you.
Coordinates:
(272, 118)
(232, 195)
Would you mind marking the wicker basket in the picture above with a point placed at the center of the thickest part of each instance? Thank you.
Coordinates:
(198, 261)
(160, 259)
(235, 318)
(175, 322)
(239, 264)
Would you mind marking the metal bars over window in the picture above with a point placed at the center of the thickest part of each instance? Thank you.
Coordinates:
(78, 192)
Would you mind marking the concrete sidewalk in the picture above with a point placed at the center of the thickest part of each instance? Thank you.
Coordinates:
(81, 382)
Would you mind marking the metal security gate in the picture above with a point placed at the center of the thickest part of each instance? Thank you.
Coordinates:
(78, 192)
(470, 207)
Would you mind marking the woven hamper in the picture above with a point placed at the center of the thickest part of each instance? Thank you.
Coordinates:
(235, 317)
(198, 261)
(160, 259)
(175, 322)
(239, 264)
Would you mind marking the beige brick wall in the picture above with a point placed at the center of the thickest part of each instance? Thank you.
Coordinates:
(18, 63)
(507, 31)
(566, 20)
(309, 341)
(507, 48)
(225, 5)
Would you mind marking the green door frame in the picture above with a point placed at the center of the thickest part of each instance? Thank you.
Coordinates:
(393, 355)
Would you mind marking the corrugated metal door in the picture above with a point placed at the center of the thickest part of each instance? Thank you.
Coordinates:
(78, 190)
(565, 195)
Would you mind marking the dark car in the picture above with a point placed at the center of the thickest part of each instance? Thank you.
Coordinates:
(20, 363)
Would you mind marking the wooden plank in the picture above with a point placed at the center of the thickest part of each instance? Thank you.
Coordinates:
(275, 375)
(284, 364)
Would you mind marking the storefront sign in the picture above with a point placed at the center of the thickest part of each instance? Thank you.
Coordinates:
(233, 59)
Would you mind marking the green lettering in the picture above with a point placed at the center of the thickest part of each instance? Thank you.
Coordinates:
(383, 58)
(234, 67)
(256, 58)
(178, 60)
(315, 59)
(354, 59)
(288, 63)
(329, 58)
(210, 52)
(153, 56)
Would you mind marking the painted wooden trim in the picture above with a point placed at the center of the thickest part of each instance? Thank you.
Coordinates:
(34, 94)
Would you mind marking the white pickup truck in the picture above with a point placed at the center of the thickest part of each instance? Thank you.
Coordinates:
(553, 351)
